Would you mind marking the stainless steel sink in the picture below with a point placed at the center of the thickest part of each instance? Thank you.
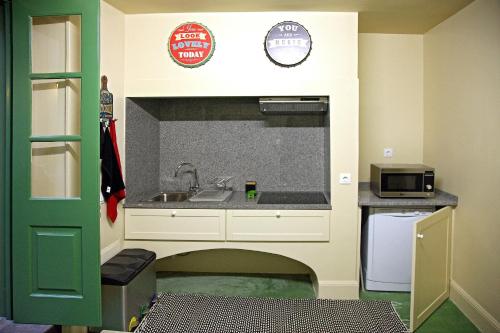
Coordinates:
(170, 197)
(211, 196)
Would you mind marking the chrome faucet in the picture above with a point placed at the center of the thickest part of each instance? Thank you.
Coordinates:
(193, 187)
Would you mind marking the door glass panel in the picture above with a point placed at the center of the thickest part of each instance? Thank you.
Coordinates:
(55, 169)
(55, 107)
(55, 44)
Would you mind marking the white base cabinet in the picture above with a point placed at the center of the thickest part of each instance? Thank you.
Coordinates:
(278, 225)
(175, 224)
(231, 225)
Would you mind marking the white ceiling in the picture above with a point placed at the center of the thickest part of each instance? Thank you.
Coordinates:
(375, 16)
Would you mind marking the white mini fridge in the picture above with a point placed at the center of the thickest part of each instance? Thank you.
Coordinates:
(386, 250)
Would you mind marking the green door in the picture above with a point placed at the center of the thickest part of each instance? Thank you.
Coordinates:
(5, 58)
(5, 114)
(55, 207)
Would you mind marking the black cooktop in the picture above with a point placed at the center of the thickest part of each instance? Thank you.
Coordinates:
(276, 198)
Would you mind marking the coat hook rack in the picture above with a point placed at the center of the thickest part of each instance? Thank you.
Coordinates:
(106, 101)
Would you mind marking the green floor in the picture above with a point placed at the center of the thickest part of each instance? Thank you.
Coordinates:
(446, 319)
(290, 286)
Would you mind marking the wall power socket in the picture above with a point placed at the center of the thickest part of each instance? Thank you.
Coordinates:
(345, 178)
(388, 152)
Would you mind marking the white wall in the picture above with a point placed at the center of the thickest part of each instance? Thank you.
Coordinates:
(112, 65)
(390, 99)
(462, 140)
(239, 67)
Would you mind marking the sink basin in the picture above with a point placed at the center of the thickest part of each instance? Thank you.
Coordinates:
(170, 197)
(211, 196)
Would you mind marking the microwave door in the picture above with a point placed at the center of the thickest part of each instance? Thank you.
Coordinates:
(401, 182)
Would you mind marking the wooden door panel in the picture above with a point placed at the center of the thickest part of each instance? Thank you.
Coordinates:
(431, 265)
(57, 249)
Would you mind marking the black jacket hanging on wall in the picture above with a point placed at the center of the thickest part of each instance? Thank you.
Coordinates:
(112, 185)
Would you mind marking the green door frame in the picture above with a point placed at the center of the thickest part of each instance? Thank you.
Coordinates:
(5, 159)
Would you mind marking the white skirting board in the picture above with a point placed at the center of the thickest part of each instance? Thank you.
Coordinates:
(110, 251)
(483, 320)
(348, 289)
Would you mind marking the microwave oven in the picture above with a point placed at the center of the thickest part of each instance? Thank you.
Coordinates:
(402, 180)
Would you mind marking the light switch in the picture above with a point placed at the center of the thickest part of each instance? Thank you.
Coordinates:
(345, 178)
(388, 152)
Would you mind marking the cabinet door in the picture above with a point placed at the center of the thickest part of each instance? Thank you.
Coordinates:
(55, 177)
(431, 265)
(278, 225)
(175, 224)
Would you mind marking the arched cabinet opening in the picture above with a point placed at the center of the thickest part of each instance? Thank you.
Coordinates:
(235, 272)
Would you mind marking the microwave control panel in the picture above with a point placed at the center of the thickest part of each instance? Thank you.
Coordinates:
(429, 181)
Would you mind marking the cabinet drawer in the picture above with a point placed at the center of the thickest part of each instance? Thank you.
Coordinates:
(175, 224)
(278, 225)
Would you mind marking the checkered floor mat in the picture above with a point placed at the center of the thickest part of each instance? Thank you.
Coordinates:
(174, 313)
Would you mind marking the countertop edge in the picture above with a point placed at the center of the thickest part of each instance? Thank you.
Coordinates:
(260, 207)
(237, 202)
(366, 198)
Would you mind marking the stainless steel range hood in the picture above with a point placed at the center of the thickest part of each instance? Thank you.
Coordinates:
(293, 105)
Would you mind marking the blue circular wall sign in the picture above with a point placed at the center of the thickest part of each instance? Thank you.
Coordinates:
(288, 44)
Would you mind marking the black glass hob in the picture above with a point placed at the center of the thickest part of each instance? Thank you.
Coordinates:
(294, 198)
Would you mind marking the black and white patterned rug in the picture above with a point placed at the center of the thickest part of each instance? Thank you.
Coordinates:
(174, 313)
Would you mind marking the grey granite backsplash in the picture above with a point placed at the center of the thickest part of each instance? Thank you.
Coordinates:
(231, 137)
(142, 146)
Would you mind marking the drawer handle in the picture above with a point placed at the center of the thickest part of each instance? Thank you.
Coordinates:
(173, 213)
(278, 215)
(420, 236)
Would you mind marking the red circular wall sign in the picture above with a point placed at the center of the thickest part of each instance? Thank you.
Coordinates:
(191, 44)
